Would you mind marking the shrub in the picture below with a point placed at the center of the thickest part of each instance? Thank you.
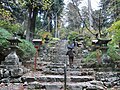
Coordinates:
(11, 28)
(43, 34)
(113, 53)
(26, 49)
(92, 57)
(115, 31)
(72, 35)
(4, 44)
(53, 42)
(3, 36)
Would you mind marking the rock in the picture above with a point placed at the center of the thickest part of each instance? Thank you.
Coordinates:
(98, 83)
(75, 88)
(81, 78)
(34, 85)
(53, 87)
(95, 87)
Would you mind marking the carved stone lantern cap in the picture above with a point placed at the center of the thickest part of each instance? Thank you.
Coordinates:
(14, 40)
(103, 41)
(100, 41)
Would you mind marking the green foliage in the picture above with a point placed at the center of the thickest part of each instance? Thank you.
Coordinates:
(3, 36)
(55, 39)
(53, 42)
(72, 35)
(10, 27)
(46, 4)
(43, 34)
(46, 8)
(113, 10)
(91, 57)
(115, 31)
(28, 50)
(63, 33)
(57, 6)
(6, 15)
(73, 18)
(38, 23)
(113, 53)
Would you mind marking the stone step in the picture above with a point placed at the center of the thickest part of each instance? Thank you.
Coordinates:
(11, 86)
(61, 72)
(57, 69)
(56, 78)
(69, 85)
(96, 85)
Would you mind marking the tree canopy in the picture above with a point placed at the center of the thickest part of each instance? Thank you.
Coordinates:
(115, 30)
(28, 10)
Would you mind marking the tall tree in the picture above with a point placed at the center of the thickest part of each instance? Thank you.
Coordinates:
(81, 18)
(110, 10)
(17, 7)
(13, 7)
(57, 10)
(29, 9)
(73, 17)
(115, 31)
(51, 14)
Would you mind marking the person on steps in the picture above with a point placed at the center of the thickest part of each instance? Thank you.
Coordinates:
(70, 53)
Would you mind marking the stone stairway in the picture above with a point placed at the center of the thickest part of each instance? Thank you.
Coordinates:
(55, 76)
(52, 75)
(54, 79)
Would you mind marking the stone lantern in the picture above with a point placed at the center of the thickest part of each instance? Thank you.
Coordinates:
(80, 46)
(95, 45)
(11, 63)
(12, 58)
(80, 40)
(101, 44)
(103, 47)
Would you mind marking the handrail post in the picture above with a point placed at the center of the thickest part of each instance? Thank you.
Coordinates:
(65, 76)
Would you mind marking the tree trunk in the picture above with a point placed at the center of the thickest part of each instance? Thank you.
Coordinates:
(31, 23)
(48, 23)
(50, 16)
(44, 21)
(55, 23)
(32, 26)
(49, 26)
